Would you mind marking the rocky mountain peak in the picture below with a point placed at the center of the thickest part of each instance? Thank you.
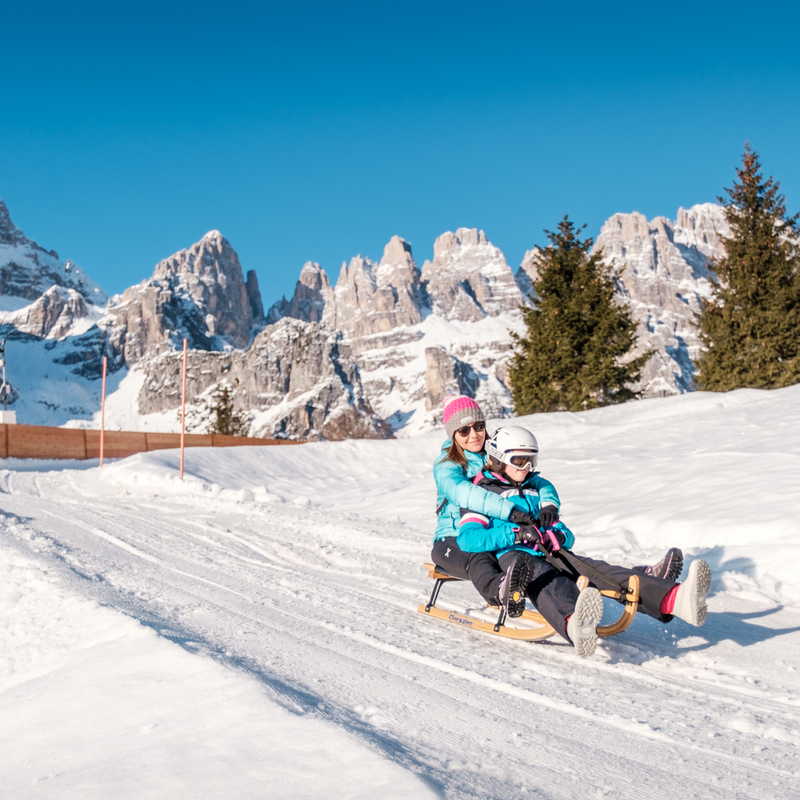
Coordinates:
(10, 234)
(312, 293)
(662, 271)
(359, 274)
(313, 277)
(453, 243)
(699, 232)
(397, 251)
(626, 227)
(469, 278)
(368, 298)
(198, 293)
(528, 272)
(398, 270)
(58, 313)
(27, 270)
(209, 275)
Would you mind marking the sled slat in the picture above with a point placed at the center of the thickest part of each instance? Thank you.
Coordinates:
(523, 634)
(439, 574)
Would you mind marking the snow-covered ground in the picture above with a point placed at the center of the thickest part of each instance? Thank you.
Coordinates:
(252, 631)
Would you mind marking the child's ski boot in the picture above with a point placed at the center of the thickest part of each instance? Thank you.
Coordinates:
(583, 622)
(690, 600)
(513, 585)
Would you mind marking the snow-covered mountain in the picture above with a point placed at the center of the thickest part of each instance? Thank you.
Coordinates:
(417, 334)
(662, 271)
(199, 293)
(368, 356)
(27, 270)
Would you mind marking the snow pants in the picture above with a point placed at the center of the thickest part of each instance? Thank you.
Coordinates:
(652, 591)
(552, 592)
(480, 568)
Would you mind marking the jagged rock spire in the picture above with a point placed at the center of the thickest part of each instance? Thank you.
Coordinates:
(10, 234)
(198, 293)
(469, 278)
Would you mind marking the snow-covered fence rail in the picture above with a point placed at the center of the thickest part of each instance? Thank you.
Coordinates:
(39, 441)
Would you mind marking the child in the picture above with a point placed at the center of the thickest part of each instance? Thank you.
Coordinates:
(522, 552)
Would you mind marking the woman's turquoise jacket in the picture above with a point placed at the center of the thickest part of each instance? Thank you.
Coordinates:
(455, 490)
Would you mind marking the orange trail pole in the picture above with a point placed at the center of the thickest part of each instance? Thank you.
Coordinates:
(103, 413)
(183, 407)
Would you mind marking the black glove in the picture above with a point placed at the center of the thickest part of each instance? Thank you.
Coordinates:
(520, 517)
(529, 535)
(548, 515)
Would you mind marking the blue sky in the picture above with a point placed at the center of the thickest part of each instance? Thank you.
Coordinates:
(316, 131)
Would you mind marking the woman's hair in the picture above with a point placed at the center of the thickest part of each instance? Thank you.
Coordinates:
(455, 453)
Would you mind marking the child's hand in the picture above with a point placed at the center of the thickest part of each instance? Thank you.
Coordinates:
(552, 540)
(529, 535)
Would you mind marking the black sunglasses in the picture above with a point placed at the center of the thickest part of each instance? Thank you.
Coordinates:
(479, 427)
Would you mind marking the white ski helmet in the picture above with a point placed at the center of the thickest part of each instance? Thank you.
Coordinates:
(514, 446)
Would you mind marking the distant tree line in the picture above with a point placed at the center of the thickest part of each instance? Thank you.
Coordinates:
(576, 352)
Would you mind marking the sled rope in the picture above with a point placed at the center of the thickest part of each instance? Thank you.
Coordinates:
(583, 568)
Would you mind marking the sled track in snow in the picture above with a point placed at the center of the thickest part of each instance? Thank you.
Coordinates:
(321, 609)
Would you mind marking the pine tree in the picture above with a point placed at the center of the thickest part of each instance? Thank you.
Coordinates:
(225, 420)
(577, 333)
(750, 328)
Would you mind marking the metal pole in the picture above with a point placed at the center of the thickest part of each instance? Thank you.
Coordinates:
(4, 388)
(183, 407)
(103, 414)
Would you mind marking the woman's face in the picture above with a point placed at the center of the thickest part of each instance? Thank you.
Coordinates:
(472, 440)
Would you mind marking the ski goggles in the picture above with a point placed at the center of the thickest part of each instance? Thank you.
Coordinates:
(523, 461)
(479, 427)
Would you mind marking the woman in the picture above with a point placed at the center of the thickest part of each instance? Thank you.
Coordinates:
(463, 457)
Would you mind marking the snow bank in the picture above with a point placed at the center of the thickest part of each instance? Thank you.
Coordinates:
(93, 705)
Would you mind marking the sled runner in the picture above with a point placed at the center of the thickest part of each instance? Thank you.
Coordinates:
(542, 629)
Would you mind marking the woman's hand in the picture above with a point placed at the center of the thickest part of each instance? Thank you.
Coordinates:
(520, 517)
(548, 515)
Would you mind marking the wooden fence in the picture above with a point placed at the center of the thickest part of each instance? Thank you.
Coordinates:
(39, 441)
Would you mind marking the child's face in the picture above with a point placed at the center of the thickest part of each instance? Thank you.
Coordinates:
(517, 475)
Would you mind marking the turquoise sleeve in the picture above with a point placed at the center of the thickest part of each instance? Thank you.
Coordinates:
(453, 485)
(547, 492)
(474, 538)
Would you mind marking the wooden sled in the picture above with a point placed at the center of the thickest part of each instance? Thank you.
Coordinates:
(543, 629)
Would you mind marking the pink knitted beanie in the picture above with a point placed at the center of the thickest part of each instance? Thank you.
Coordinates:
(458, 411)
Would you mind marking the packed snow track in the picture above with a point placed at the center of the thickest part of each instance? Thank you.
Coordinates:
(310, 586)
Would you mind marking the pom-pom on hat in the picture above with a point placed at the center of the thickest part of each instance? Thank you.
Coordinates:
(458, 411)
